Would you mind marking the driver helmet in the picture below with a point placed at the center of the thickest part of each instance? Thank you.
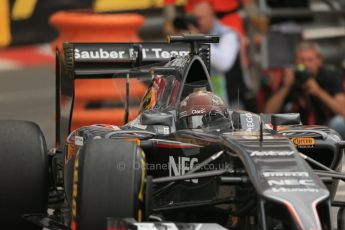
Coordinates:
(198, 108)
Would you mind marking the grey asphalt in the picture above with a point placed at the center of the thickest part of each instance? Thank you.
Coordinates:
(28, 94)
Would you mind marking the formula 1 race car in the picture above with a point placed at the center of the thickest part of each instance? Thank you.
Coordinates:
(185, 162)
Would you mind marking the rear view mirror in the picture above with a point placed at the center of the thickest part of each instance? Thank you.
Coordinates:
(152, 117)
(285, 119)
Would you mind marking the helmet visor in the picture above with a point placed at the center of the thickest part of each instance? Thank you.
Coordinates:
(192, 122)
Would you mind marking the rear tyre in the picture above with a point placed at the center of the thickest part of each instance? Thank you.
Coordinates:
(23, 173)
(109, 183)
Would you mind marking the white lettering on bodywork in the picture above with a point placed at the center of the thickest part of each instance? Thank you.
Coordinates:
(271, 153)
(286, 174)
(181, 167)
(291, 182)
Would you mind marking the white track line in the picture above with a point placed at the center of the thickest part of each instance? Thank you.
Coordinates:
(6, 65)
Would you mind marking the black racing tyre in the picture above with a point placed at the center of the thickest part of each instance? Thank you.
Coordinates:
(110, 183)
(24, 178)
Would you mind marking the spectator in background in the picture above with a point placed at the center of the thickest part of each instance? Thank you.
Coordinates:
(315, 93)
(227, 11)
(238, 82)
(225, 54)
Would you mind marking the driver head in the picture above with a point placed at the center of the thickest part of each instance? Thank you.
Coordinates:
(198, 106)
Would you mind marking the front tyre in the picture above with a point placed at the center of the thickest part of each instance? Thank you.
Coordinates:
(108, 183)
(24, 179)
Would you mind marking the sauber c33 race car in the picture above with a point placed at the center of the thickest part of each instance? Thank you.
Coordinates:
(185, 162)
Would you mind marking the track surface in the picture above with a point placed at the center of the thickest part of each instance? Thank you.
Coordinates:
(28, 94)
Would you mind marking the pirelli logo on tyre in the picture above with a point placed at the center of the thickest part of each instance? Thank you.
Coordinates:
(303, 141)
(75, 188)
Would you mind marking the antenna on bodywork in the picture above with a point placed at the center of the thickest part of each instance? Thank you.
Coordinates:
(131, 73)
(138, 62)
(238, 98)
(238, 103)
(261, 131)
(127, 100)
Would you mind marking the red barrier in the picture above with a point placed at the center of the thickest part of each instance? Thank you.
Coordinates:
(104, 90)
(84, 26)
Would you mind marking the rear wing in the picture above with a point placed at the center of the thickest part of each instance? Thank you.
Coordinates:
(92, 59)
(109, 60)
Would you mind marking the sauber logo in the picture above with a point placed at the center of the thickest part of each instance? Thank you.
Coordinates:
(198, 111)
(271, 153)
(99, 54)
(182, 166)
(126, 54)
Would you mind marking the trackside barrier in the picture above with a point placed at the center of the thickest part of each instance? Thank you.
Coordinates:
(84, 26)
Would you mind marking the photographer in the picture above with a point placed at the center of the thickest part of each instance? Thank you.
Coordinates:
(225, 54)
(230, 76)
(311, 90)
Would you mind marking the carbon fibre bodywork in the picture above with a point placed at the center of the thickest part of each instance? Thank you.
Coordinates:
(240, 171)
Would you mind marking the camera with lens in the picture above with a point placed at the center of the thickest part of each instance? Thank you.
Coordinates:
(301, 74)
(182, 22)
